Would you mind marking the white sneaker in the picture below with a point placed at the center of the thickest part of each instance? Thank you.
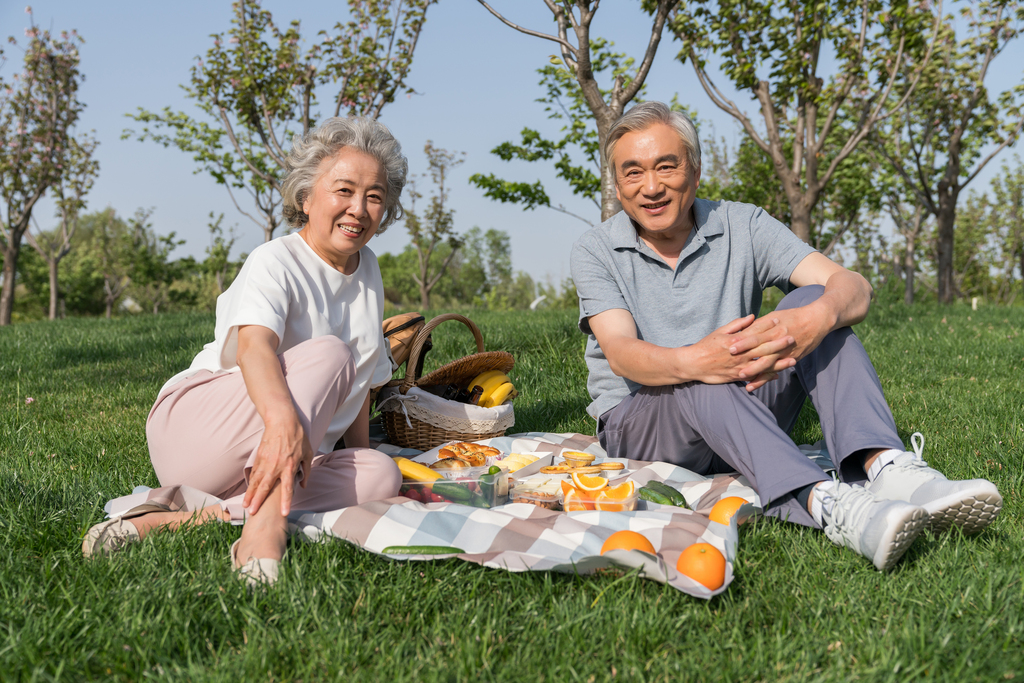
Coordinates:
(970, 504)
(880, 530)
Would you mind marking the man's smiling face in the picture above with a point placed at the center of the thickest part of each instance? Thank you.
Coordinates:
(654, 181)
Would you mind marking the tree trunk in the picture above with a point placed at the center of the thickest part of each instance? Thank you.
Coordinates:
(53, 287)
(908, 269)
(800, 220)
(1022, 269)
(424, 297)
(946, 220)
(10, 270)
(110, 308)
(609, 201)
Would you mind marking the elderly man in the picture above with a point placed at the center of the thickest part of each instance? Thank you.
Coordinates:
(681, 371)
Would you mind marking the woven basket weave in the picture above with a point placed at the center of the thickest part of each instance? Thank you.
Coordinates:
(420, 431)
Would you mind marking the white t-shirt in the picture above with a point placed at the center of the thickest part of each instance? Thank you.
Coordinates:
(284, 286)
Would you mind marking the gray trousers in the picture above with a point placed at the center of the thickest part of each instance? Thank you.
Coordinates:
(713, 428)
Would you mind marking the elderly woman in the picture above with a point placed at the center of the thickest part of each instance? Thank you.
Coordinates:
(298, 345)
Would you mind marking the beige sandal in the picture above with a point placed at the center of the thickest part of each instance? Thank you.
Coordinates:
(255, 572)
(114, 534)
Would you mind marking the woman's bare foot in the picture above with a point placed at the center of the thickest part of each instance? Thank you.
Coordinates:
(265, 533)
(155, 521)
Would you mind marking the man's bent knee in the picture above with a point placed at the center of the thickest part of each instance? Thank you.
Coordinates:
(801, 296)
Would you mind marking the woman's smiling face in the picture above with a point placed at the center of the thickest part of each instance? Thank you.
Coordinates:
(345, 207)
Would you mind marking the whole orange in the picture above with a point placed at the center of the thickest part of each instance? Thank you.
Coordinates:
(724, 509)
(627, 540)
(703, 563)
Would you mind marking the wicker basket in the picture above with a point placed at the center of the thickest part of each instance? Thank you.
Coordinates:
(419, 431)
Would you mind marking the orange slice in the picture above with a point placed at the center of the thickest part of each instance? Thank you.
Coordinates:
(574, 502)
(585, 482)
(614, 499)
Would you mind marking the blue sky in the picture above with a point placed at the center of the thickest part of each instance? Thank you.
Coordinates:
(476, 81)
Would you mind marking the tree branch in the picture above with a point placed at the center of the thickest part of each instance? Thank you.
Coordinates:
(724, 103)
(664, 7)
(270, 180)
(537, 34)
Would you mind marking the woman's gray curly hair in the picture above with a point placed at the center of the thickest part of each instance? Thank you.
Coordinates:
(308, 152)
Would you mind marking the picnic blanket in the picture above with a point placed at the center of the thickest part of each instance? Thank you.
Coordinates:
(520, 537)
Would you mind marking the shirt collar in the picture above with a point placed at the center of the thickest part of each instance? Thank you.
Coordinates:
(622, 234)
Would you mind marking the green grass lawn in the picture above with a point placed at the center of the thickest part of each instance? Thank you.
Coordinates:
(799, 608)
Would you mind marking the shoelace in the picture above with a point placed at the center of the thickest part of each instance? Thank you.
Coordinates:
(853, 498)
(917, 442)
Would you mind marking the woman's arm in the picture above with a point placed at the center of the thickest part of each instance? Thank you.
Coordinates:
(285, 447)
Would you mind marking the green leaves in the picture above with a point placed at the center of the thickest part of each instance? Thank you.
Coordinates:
(508, 192)
(256, 89)
(576, 154)
(39, 108)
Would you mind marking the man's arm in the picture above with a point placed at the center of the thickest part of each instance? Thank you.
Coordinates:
(744, 349)
(711, 360)
(845, 302)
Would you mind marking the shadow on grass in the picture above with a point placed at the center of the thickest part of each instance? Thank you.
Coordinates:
(568, 414)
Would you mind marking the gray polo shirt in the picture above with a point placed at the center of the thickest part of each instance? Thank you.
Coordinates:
(734, 253)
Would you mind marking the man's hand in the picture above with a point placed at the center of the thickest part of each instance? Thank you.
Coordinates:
(744, 349)
(803, 328)
(712, 360)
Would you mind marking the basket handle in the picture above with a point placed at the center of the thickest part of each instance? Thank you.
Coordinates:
(417, 346)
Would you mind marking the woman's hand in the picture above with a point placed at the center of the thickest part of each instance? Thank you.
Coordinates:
(283, 451)
(284, 448)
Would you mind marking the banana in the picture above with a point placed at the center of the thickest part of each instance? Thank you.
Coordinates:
(498, 396)
(488, 382)
(491, 383)
(414, 471)
(484, 377)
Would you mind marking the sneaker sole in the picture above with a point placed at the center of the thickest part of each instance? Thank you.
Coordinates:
(905, 525)
(972, 511)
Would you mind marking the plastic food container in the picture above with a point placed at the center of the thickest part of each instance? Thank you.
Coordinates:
(476, 490)
(577, 501)
(543, 494)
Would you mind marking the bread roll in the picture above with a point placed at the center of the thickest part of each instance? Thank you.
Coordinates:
(449, 464)
(473, 453)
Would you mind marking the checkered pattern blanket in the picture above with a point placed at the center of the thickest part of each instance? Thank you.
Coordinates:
(520, 537)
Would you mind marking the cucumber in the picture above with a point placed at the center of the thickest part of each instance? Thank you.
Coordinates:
(672, 494)
(653, 496)
(459, 493)
(422, 550)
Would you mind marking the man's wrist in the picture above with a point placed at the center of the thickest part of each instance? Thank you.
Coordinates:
(683, 366)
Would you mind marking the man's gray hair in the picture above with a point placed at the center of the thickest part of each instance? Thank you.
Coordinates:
(326, 140)
(647, 114)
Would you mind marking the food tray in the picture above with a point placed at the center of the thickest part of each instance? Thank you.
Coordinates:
(584, 501)
(481, 490)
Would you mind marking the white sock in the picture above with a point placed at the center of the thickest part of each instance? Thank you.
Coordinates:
(884, 458)
(821, 503)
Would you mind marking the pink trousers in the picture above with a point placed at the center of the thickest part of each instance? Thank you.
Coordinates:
(204, 431)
